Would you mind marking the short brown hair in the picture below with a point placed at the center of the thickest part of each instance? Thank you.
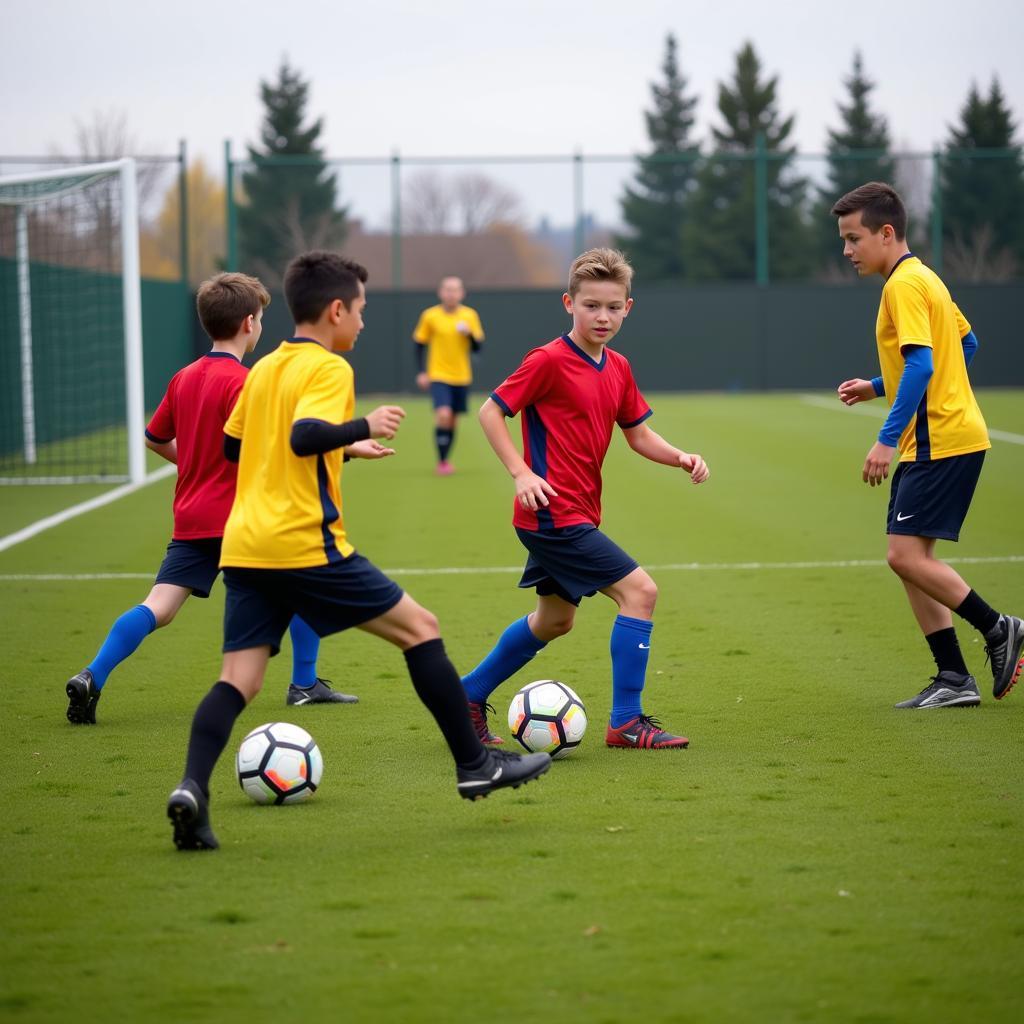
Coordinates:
(225, 300)
(879, 204)
(600, 265)
(315, 279)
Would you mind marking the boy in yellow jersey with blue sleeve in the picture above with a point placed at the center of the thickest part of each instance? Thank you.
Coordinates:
(285, 546)
(446, 335)
(925, 346)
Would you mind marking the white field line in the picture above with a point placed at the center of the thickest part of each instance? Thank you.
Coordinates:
(491, 570)
(41, 525)
(879, 412)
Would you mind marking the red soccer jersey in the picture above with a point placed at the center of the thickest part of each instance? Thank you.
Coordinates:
(195, 408)
(570, 405)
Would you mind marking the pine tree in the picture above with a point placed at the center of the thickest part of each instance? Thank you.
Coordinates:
(982, 195)
(290, 206)
(861, 132)
(720, 235)
(655, 206)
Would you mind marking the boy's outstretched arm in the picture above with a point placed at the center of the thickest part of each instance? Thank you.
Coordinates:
(531, 490)
(653, 446)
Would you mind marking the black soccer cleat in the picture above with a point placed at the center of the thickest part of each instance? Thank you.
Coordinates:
(946, 690)
(1003, 650)
(83, 696)
(501, 769)
(189, 811)
(319, 693)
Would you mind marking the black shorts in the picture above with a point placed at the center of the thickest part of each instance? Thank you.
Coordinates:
(931, 499)
(329, 598)
(452, 396)
(572, 562)
(191, 563)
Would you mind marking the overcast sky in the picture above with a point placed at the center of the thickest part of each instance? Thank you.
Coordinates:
(467, 77)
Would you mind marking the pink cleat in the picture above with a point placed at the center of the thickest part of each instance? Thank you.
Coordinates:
(445, 469)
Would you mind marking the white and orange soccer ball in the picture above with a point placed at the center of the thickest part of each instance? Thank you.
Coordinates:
(548, 716)
(279, 763)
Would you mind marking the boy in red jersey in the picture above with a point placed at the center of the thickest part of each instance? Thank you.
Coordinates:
(572, 392)
(187, 429)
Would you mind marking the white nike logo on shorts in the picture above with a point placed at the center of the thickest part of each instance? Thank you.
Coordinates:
(900, 519)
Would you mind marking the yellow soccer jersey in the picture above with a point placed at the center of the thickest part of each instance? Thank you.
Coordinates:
(448, 351)
(916, 309)
(287, 508)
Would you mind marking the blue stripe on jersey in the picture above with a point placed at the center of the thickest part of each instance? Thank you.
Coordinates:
(537, 435)
(334, 556)
(921, 435)
(159, 440)
(636, 423)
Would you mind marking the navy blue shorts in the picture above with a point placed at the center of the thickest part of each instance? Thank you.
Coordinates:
(931, 499)
(191, 563)
(452, 396)
(261, 602)
(572, 562)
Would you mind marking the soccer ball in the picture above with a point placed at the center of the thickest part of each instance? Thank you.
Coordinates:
(547, 716)
(279, 763)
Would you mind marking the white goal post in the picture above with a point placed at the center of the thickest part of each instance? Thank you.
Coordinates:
(19, 192)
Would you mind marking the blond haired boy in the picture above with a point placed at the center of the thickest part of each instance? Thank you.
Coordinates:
(572, 392)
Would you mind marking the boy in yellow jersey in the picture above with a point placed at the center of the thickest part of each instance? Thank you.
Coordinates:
(925, 347)
(285, 546)
(445, 336)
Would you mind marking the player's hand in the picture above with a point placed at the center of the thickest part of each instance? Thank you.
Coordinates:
(462, 327)
(857, 390)
(877, 464)
(385, 420)
(695, 466)
(532, 491)
(422, 381)
(368, 449)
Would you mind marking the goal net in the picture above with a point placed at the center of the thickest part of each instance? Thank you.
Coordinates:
(71, 407)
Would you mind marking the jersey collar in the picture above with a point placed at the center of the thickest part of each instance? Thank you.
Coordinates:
(222, 355)
(905, 256)
(583, 355)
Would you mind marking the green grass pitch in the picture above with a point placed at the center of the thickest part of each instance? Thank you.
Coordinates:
(814, 855)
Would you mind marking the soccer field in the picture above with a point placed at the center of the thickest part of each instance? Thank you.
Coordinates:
(813, 856)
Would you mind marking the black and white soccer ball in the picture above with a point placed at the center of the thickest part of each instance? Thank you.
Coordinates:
(548, 716)
(279, 763)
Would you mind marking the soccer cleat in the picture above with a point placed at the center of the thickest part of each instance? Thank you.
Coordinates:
(1003, 649)
(644, 733)
(319, 693)
(946, 690)
(499, 770)
(189, 811)
(478, 716)
(445, 469)
(83, 696)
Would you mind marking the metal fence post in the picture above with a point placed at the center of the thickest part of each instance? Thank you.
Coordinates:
(936, 221)
(761, 209)
(231, 242)
(396, 220)
(183, 214)
(579, 234)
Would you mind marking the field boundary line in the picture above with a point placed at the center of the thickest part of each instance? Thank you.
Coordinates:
(491, 570)
(878, 413)
(49, 522)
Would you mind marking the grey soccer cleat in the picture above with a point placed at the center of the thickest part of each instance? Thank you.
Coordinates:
(83, 696)
(189, 811)
(319, 693)
(500, 769)
(946, 690)
(1003, 649)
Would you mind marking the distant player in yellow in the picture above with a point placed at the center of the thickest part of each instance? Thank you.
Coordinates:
(445, 337)
(925, 347)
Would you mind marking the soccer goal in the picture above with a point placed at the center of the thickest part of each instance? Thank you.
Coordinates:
(71, 398)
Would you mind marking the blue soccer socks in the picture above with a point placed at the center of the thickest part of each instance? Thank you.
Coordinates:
(630, 647)
(124, 637)
(305, 650)
(515, 647)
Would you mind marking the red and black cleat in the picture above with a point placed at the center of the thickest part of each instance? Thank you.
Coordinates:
(478, 716)
(644, 733)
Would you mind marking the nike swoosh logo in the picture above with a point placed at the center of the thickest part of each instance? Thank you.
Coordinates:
(482, 782)
(644, 647)
(632, 739)
(900, 519)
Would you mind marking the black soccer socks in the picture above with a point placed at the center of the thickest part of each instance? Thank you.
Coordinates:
(211, 730)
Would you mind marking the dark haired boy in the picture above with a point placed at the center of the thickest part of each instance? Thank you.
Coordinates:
(187, 429)
(925, 347)
(286, 551)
